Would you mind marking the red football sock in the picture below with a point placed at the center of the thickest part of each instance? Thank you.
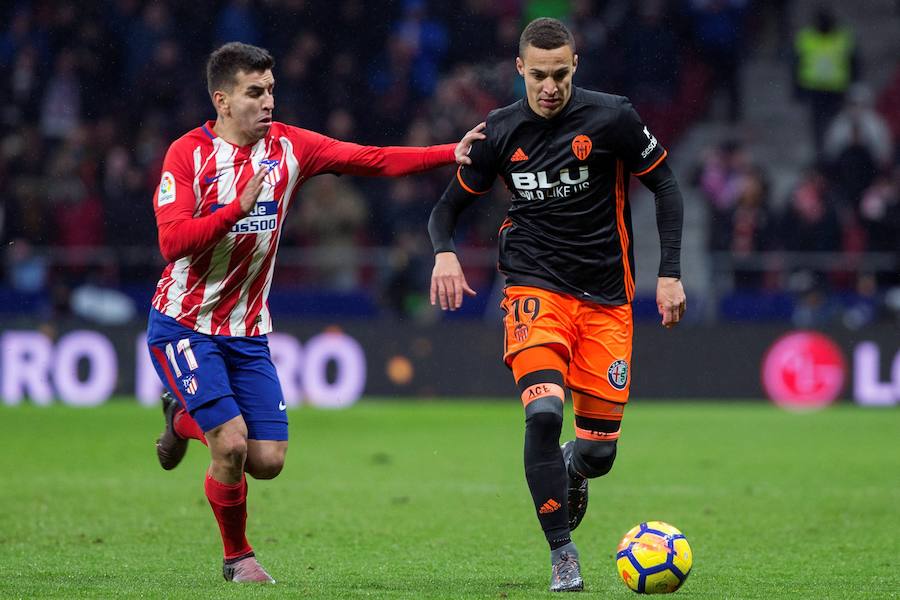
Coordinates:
(229, 504)
(186, 427)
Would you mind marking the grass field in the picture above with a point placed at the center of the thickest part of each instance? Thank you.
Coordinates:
(428, 500)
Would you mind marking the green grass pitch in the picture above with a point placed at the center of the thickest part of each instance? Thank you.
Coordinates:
(428, 500)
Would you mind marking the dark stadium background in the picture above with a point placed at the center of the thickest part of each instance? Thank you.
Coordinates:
(788, 226)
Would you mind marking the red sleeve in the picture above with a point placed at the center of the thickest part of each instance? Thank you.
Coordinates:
(180, 234)
(328, 155)
(182, 238)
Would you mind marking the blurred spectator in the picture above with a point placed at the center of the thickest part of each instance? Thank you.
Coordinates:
(747, 228)
(879, 213)
(61, 104)
(473, 33)
(860, 124)
(159, 86)
(888, 103)
(142, 33)
(718, 29)
(332, 218)
(21, 91)
(426, 40)
(21, 33)
(719, 178)
(300, 99)
(237, 22)
(825, 64)
(593, 25)
(650, 59)
(810, 223)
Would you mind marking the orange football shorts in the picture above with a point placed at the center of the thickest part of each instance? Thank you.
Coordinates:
(594, 340)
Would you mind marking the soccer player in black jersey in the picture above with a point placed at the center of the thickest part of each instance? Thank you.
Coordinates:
(566, 154)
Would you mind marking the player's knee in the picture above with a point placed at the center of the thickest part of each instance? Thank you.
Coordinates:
(592, 458)
(229, 449)
(544, 427)
(268, 469)
(233, 450)
(265, 463)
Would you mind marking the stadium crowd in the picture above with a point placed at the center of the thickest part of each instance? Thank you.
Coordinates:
(92, 93)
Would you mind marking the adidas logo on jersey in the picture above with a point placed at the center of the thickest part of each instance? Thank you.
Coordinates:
(549, 506)
(518, 156)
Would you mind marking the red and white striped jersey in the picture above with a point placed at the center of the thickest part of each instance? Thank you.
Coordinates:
(222, 261)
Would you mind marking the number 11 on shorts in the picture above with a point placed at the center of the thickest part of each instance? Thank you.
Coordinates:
(184, 347)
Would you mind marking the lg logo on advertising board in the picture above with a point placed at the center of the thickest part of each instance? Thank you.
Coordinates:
(81, 368)
(805, 370)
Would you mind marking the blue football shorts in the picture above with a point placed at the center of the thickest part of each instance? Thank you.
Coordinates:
(218, 377)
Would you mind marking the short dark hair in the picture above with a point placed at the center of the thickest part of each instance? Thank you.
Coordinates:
(224, 63)
(547, 34)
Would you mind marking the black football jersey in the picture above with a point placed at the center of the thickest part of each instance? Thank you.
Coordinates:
(569, 225)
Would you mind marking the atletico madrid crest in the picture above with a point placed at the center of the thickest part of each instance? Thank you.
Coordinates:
(190, 384)
(273, 170)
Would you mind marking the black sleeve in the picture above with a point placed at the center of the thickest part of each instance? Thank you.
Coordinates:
(445, 213)
(469, 183)
(634, 143)
(669, 216)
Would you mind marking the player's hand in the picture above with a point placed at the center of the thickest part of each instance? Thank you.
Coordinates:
(670, 300)
(448, 282)
(251, 193)
(465, 145)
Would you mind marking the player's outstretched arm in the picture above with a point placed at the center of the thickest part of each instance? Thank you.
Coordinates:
(670, 299)
(334, 156)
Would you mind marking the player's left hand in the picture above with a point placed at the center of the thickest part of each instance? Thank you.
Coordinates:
(670, 300)
(465, 145)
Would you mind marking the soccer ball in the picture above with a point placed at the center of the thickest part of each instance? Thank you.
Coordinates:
(654, 558)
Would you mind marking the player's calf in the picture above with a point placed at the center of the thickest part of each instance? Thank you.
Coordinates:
(542, 394)
(589, 455)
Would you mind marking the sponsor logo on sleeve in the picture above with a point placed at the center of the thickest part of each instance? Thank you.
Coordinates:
(166, 190)
(651, 145)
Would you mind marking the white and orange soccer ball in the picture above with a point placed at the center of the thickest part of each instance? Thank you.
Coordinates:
(654, 558)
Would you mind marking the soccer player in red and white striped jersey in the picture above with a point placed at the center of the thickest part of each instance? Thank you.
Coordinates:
(223, 195)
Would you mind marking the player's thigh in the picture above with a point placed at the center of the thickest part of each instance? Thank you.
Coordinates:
(601, 360)
(193, 368)
(257, 389)
(536, 317)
